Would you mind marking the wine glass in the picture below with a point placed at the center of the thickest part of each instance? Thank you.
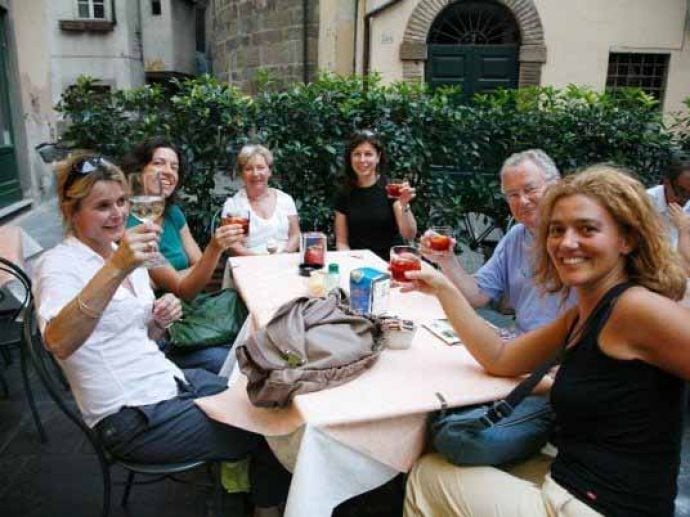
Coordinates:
(147, 203)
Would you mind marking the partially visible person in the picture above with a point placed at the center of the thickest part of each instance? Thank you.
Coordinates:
(99, 317)
(509, 273)
(190, 269)
(671, 199)
(273, 219)
(365, 218)
(618, 396)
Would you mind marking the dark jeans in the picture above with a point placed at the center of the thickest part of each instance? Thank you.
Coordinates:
(208, 358)
(176, 430)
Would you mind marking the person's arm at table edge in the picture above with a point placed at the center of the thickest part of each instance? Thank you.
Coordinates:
(186, 285)
(404, 218)
(463, 281)
(519, 356)
(191, 248)
(341, 236)
(292, 243)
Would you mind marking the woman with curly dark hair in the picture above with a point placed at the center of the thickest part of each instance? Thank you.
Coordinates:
(190, 269)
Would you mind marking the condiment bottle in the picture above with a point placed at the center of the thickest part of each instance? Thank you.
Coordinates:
(333, 278)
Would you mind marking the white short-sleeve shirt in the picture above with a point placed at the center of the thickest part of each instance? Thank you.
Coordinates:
(118, 365)
(262, 230)
(658, 198)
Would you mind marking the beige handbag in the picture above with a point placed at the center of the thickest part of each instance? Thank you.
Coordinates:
(309, 344)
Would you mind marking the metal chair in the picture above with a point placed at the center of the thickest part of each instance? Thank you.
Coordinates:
(42, 361)
(11, 333)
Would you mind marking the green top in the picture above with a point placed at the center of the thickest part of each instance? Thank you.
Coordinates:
(171, 240)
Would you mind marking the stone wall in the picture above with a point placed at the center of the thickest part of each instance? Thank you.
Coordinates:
(249, 35)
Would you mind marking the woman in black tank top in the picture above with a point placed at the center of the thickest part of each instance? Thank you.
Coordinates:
(619, 393)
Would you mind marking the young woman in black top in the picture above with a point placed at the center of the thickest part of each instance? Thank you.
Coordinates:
(618, 394)
(364, 215)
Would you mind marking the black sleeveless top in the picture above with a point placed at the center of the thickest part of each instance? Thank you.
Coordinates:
(618, 426)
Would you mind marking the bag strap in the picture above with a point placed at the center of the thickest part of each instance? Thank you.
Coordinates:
(504, 408)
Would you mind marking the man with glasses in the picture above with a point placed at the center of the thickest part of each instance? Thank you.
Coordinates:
(508, 273)
(672, 200)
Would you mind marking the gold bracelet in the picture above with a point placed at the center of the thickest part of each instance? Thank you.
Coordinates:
(86, 310)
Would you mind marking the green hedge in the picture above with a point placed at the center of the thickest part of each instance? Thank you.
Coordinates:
(451, 147)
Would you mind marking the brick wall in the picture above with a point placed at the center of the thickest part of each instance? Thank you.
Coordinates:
(249, 35)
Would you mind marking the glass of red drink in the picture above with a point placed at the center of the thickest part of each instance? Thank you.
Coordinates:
(393, 187)
(439, 238)
(402, 259)
(313, 248)
(241, 218)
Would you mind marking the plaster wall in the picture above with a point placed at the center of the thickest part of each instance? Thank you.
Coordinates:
(183, 37)
(336, 42)
(113, 57)
(33, 117)
(578, 36)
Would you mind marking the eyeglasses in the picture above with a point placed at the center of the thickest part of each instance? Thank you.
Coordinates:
(529, 191)
(82, 167)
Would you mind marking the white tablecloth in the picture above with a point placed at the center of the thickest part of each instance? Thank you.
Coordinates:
(349, 439)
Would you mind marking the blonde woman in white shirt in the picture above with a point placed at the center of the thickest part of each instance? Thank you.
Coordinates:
(99, 318)
(273, 219)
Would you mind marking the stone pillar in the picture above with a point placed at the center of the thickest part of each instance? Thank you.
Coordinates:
(253, 35)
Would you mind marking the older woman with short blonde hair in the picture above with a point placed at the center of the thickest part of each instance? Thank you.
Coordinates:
(273, 218)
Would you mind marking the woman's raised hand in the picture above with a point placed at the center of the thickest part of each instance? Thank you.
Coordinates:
(429, 253)
(427, 280)
(228, 234)
(679, 218)
(407, 193)
(166, 310)
(137, 245)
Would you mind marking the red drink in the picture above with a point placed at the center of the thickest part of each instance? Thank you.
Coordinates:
(237, 219)
(393, 190)
(404, 262)
(313, 255)
(439, 242)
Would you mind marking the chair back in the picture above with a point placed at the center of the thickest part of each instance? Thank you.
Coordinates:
(24, 299)
(48, 373)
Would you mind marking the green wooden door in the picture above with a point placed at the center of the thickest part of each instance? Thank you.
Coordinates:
(10, 190)
(474, 68)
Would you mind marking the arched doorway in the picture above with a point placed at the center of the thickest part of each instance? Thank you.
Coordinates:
(473, 44)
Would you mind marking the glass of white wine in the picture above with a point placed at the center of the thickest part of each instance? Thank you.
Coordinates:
(147, 203)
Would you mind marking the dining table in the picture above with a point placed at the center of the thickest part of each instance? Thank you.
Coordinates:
(345, 440)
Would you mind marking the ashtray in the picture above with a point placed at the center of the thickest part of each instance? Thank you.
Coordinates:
(398, 333)
(308, 269)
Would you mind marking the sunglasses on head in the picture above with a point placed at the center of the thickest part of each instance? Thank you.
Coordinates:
(83, 167)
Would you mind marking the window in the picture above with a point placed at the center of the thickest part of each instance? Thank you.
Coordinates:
(474, 22)
(156, 7)
(644, 71)
(93, 9)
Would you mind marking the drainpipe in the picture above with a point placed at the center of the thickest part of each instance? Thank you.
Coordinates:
(367, 32)
(112, 12)
(354, 42)
(305, 39)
